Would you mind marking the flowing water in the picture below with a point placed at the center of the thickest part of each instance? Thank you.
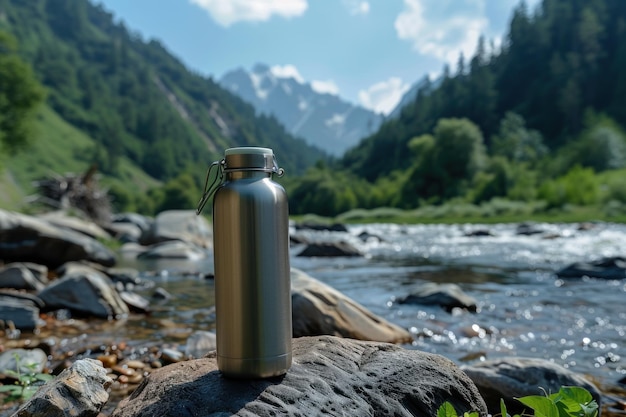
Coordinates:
(524, 309)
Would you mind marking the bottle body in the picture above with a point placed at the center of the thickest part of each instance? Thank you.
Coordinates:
(252, 276)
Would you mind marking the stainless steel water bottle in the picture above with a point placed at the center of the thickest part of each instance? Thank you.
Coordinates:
(252, 272)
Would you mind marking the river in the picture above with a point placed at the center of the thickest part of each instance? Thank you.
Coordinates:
(524, 309)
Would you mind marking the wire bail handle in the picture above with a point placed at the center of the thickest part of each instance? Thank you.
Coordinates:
(209, 190)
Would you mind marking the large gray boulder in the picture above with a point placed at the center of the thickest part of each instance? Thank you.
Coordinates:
(319, 309)
(19, 277)
(21, 309)
(508, 378)
(182, 225)
(85, 291)
(30, 239)
(79, 391)
(329, 377)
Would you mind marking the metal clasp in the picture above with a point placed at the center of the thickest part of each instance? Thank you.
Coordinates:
(209, 190)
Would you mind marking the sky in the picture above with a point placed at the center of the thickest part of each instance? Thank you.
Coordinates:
(369, 52)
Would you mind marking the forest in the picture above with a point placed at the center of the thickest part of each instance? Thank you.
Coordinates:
(536, 123)
(532, 125)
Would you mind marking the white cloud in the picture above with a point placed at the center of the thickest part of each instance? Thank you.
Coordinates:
(227, 12)
(383, 97)
(325, 87)
(442, 28)
(356, 7)
(287, 71)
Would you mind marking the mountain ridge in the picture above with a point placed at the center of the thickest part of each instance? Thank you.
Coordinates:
(321, 119)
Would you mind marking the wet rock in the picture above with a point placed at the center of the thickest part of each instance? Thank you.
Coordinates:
(321, 310)
(161, 294)
(18, 276)
(329, 376)
(142, 222)
(369, 237)
(328, 249)
(514, 377)
(135, 302)
(85, 291)
(200, 343)
(125, 232)
(605, 268)
(174, 249)
(335, 227)
(79, 391)
(182, 225)
(479, 233)
(528, 229)
(19, 310)
(29, 360)
(30, 239)
(448, 296)
(297, 240)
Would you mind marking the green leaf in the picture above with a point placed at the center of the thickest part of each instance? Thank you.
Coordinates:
(446, 410)
(9, 388)
(543, 406)
(503, 408)
(44, 377)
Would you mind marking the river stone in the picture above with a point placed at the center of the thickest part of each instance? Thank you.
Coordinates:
(174, 249)
(30, 360)
(319, 309)
(182, 225)
(19, 277)
(513, 377)
(448, 296)
(85, 291)
(22, 312)
(30, 239)
(328, 249)
(200, 343)
(605, 268)
(79, 391)
(61, 219)
(329, 376)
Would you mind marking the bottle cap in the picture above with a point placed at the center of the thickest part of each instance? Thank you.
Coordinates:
(248, 150)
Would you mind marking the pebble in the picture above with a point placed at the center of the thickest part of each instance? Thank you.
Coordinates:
(108, 361)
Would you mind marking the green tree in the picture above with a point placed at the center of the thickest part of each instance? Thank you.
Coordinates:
(447, 162)
(517, 143)
(20, 94)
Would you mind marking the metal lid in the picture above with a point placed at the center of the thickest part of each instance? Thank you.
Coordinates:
(248, 150)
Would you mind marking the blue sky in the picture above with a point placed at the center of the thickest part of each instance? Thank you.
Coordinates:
(369, 52)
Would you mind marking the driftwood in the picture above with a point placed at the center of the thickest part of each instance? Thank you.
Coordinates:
(73, 191)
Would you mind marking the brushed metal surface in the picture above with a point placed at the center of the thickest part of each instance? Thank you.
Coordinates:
(252, 275)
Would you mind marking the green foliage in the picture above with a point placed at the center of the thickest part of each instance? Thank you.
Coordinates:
(446, 162)
(578, 186)
(20, 94)
(568, 402)
(26, 384)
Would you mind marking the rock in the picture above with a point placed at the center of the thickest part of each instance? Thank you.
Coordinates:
(448, 296)
(199, 344)
(63, 220)
(85, 291)
(161, 294)
(605, 268)
(335, 227)
(173, 249)
(321, 310)
(21, 311)
(125, 232)
(369, 237)
(330, 249)
(19, 277)
(30, 360)
(478, 233)
(142, 222)
(79, 391)
(527, 229)
(135, 302)
(182, 225)
(26, 238)
(514, 377)
(329, 376)
(128, 278)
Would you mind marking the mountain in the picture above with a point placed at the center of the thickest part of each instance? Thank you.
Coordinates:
(408, 98)
(322, 119)
(134, 105)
